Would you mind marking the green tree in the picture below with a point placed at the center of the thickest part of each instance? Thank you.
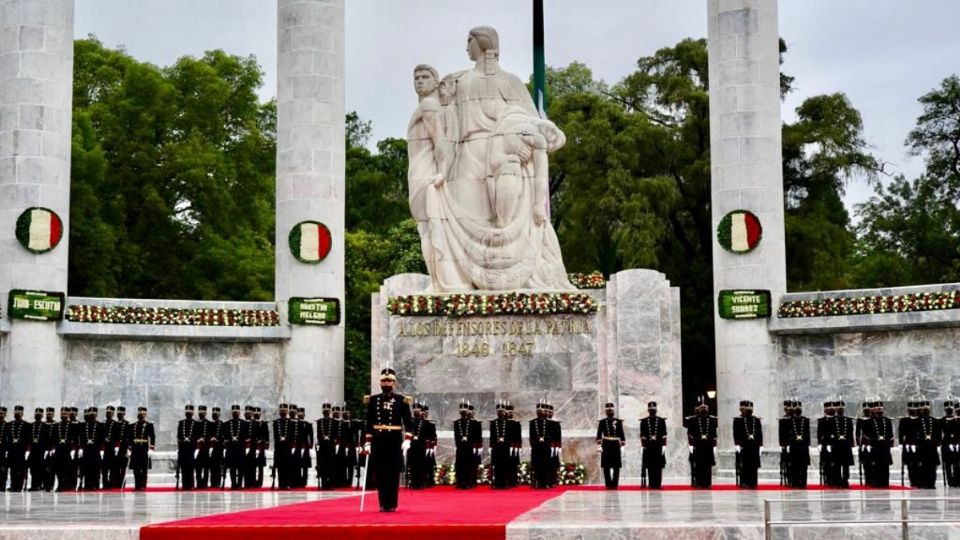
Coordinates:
(172, 177)
(909, 231)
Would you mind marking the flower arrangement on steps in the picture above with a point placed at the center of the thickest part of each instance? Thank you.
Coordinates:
(568, 474)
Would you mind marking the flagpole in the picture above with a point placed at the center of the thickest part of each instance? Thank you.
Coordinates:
(539, 61)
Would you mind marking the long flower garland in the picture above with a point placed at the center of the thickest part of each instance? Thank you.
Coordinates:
(461, 305)
(593, 280)
(568, 474)
(870, 305)
(173, 316)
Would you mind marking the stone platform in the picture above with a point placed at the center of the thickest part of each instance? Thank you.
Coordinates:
(570, 514)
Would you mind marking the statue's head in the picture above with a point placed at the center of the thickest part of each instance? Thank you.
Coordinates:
(481, 41)
(425, 80)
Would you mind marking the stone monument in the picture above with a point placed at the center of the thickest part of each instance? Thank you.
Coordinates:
(478, 153)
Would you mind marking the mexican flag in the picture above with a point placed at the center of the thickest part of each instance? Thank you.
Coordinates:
(39, 229)
(739, 231)
(310, 241)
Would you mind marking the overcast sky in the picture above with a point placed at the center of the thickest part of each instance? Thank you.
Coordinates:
(883, 54)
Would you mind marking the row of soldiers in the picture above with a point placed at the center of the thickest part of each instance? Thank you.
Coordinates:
(71, 454)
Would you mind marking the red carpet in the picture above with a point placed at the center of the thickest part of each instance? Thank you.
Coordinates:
(436, 513)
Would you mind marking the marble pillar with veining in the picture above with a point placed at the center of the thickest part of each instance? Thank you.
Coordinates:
(628, 353)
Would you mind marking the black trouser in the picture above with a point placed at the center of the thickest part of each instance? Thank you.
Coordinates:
(500, 459)
(416, 465)
(38, 470)
(186, 462)
(951, 465)
(326, 462)
(283, 461)
(62, 466)
(465, 467)
(541, 463)
(387, 463)
(880, 460)
(90, 467)
(139, 462)
(202, 470)
(702, 466)
(250, 466)
(216, 468)
(18, 472)
(611, 477)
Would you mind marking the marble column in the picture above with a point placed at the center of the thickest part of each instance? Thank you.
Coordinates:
(36, 86)
(744, 71)
(310, 186)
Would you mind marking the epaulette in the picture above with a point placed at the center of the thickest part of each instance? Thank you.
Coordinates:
(366, 399)
(408, 400)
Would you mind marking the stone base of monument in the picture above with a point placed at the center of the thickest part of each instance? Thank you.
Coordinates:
(628, 353)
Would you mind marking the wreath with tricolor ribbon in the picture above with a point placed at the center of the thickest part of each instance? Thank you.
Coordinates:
(39, 229)
(310, 242)
(739, 231)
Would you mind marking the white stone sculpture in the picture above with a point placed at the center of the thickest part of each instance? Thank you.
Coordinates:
(478, 178)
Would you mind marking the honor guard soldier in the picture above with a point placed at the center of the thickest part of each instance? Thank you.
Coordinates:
(326, 448)
(610, 437)
(187, 431)
(428, 434)
(840, 445)
(4, 469)
(866, 467)
(748, 441)
(263, 443)
(465, 465)
(783, 434)
(75, 469)
(906, 435)
(37, 451)
(64, 443)
(515, 436)
(798, 446)
(950, 439)
(351, 441)
(556, 445)
(50, 476)
(284, 444)
(142, 442)
(121, 449)
(18, 444)
(236, 433)
(306, 445)
(202, 465)
(341, 475)
(476, 433)
(387, 436)
(653, 438)
(540, 448)
(250, 450)
(93, 445)
(111, 434)
(702, 440)
(216, 443)
(928, 437)
(417, 455)
(826, 467)
(501, 449)
(879, 435)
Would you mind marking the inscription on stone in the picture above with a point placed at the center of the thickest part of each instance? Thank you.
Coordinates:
(509, 337)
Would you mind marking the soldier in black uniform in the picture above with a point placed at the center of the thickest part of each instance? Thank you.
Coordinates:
(38, 450)
(250, 450)
(121, 449)
(748, 441)
(866, 467)
(387, 436)
(326, 448)
(351, 440)
(215, 442)
(840, 445)
(49, 474)
(501, 448)
(540, 448)
(142, 440)
(428, 435)
(18, 443)
(906, 435)
(75, 469)
(515, 436)
(306, 445)
(653, 438)
(263, 444)
(187, 432)
(610, 437)
(783, 434)
(465, 467)
(92, 446)
(556, 445)
(236, 441)
(202, 465)
(341, 477)
(109, 449)
(702, 441)
(880, 439)
(417, 455)
(950, 438)
(4, 435)
(284, 444)
(826, 467)
(798, 446)
(928, 438)
(64, 443)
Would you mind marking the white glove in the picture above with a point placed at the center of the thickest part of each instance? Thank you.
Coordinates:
(663, 451)
(691, 449)
(196, 453)
(26, 456)
(405, 445)
(829, 449)
(149, 453)
(293, 451)
(336, 449)
(761, 451)
(80, 453)
(913, 448)
(714, 452)
(476, 451)
(788, 449)
(820, 448)
(600, 448)
(366, 447)
(955, 447)
(868, 449)
(738, 448)
(101, 454)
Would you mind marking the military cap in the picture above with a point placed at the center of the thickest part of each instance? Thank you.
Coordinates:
(18, 408)
(425, 408)
(509, 407)
(470, 407)
(188, 408)
(336, 408)
(541, 407)
(141, 409)
(325, 407)
(501, 406)
(464, 406)
(235, 407)
(51, 409)
(283, 407)
(787, 403)
(651, 404)
(841, 403)
(201, 407)
(948, 403)
(111, 408)
(388, 374)
(249, 408)
(3, 409)
(214, 409)
(38, 410)
(121, 408)
(301, 409)
(609, 406)
(74, 409)
(92, 409)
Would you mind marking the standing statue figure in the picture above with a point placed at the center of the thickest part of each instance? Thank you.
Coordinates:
(478, 178)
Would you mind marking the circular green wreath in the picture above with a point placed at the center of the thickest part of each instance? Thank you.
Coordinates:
(723, 231)
(23, 229)
(294, 242)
